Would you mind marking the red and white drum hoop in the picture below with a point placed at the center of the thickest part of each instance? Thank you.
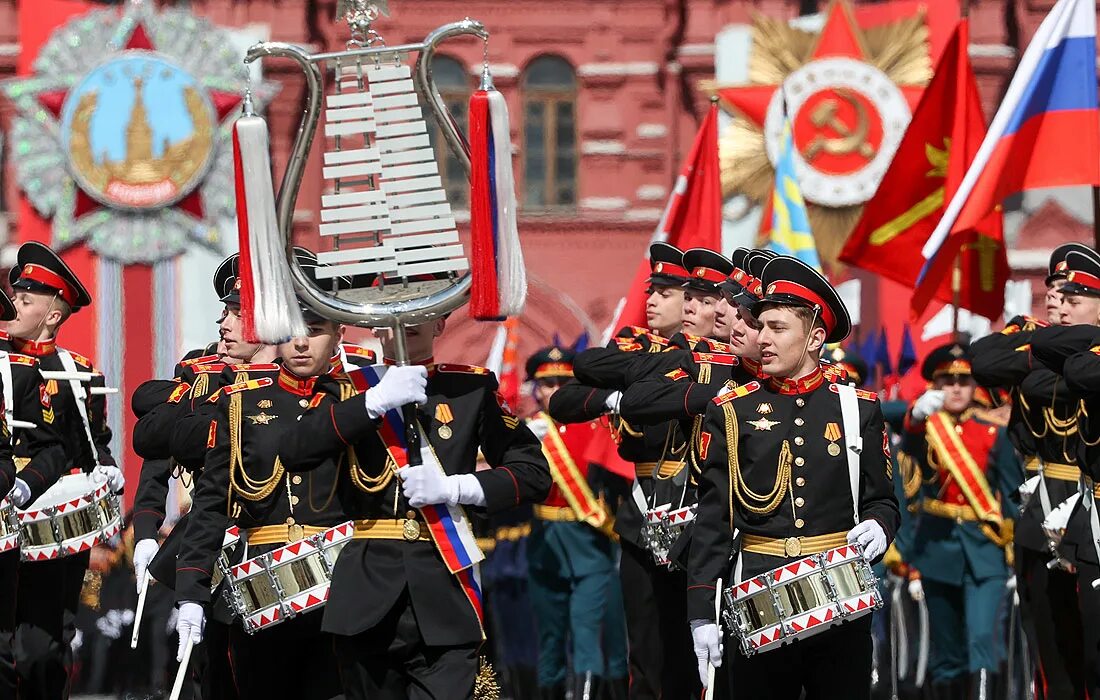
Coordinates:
(75, 514)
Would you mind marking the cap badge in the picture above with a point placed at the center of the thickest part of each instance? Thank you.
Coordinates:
(555, 354)
(771, 289)
(659, 267)
(956, 351)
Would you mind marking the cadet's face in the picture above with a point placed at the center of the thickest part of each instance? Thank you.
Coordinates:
(543, 392)
(309, 356)
(745, 333)
(229, 329)
(664, 310)
(1054, 302)
(786, 343)
(958, 392)
(723, 319)
(699, 313)
(32, 311)
(419, 339)
(1077, 309)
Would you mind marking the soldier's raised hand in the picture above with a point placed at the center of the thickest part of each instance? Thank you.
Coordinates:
(400, 386)
(928, 403)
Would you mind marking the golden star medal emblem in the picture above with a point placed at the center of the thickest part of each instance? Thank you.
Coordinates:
(763, 424)
(261, 418)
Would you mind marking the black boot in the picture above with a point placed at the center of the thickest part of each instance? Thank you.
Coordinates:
(985, 685)
(586, 686)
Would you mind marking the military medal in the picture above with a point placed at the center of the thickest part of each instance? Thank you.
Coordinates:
(264, 403)
(834, 449)
(444, 416)
(764, 409)
(832, 434)
(410, 529)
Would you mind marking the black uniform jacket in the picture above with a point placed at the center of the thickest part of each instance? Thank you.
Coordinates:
(37, 449)
(795, 421)
(464, 414)
(259, 490)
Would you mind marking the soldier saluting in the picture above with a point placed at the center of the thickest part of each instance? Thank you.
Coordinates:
(776, 467)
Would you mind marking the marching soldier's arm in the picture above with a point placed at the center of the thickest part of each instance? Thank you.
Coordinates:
(604, 368)
(42, 443)
(520, 473)
(876, 488)
(577, 403)
(1054, 345)
(674, 395)
(209, 515)
(156, 403)
(712, 534)
(152, 494)
(187, 444)
(1001, 359)
(328, 426)
(1082, 372)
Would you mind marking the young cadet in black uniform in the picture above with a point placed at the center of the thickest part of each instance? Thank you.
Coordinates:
(783, 430)
(46, 292)
(1042, 427)
(41, 460)
(404, 625)
(244, 483)
(659, 656)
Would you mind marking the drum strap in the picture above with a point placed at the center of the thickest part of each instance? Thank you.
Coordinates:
(81, 397)
(9, 390)
(849, 411)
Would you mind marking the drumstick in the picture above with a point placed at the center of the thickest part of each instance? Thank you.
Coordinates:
(181, 673)
(140, 610)
(102, 390)
(709, 695)
(26, 425)
(68, 376)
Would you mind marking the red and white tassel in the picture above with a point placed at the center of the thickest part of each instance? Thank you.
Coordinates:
(269, 308)
(499, 285)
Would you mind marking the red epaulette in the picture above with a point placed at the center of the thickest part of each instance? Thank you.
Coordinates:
(627, 345)
(256, 367)
(677, 374)
(736, 393)
(316, 401)
(656, 339)
(716, 358)
(861, 393)
(359, 351)
(242, 386)
(22, 359)
(81, 360)
(462, 369)
(204, 360)
(211, 368)
(716, 345)
(179, 392)
(834, 373)
(633, 331)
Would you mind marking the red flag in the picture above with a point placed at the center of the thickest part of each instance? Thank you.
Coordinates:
(938, 147)
(692, 216)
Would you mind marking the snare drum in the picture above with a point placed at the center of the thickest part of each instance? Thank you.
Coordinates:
(224, 562)
(801, 599)
(662, 528)
(75, 514)
(9, 527)
(288, 581)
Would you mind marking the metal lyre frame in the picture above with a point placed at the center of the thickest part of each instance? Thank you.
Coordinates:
(392, 305)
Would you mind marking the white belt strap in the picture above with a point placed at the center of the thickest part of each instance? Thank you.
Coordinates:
(9, 390)
(1044, 497)
(81, 397)
(853, 440)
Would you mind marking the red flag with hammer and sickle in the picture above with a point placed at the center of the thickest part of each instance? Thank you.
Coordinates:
(940, 143)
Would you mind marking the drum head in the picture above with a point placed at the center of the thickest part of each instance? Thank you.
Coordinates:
(67, 488)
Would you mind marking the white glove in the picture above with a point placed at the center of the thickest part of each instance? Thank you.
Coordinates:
(190, 622)
(1010, 584)
(612, 401)
(400, 386)
(144, 551)
(707, 640)
(20, 493)
(916, 589)
(870, 535)
(112, 475)
(928, 403)
(539, 427)
(425, 485)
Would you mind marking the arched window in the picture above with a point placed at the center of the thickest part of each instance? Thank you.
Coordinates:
(549, 133)
(454, 87)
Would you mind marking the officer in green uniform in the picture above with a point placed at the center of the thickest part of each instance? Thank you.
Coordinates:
(960, 539)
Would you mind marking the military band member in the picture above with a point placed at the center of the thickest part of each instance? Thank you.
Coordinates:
(570, 556)
(46, 293)
(959, 542)
(404, 624)
(784, 470)
(1042, 427)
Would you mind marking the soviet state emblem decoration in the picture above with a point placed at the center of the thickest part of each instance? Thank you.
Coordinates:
(848, 91)
(123, 131)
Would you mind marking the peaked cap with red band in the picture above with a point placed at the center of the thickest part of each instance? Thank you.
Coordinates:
(1058, 267)
(952, 359)
(706, 269)
(551, 363)
(666, 265)
(791, 282)
(39, 269)
(753, 289)
(1082, 274)
(735, 282)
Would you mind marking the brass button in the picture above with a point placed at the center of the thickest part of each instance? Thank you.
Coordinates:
(303, 403)
(798, 461)
(799, 441)
(296, 479)
(800, 481)
(800, 402)
(799, 422)
(293, 500)
(411, 515)
(800, 523)
(290, 521)
(800, 501)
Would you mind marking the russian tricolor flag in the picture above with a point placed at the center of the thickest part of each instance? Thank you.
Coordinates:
(1047, 131)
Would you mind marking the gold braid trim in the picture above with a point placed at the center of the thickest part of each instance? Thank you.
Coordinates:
(762, 504)
(910, 474)
(202, 384)
(704, 373)
(696, 442)
(624, 427)
(251, 489)
(362, 480)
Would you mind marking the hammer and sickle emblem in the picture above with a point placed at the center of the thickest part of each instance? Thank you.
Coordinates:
(849, 139)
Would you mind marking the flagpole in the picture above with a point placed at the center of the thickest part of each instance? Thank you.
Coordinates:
(956, 268)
